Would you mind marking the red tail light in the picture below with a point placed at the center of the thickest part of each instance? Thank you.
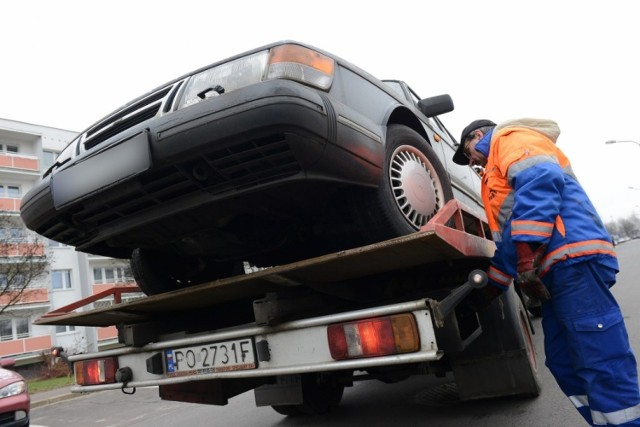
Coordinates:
(96, 371)
(379, 336)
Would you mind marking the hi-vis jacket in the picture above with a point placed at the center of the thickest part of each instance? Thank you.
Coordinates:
(531, 195)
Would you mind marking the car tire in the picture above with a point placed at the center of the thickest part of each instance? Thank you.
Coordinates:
(414, 186)
(157, 272)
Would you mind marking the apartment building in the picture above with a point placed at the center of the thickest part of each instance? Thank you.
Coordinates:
(26, 151)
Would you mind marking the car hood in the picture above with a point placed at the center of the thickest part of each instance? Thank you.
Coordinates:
(7, 377)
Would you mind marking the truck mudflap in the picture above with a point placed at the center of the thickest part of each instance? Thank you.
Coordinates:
(295, 347)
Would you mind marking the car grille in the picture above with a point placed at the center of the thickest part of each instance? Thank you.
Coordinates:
(126, 118)
(7, 417)
(237, 167)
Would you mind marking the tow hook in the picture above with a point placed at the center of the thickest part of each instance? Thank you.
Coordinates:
(124, 376)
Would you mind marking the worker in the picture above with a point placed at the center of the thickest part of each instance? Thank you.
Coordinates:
(550, 239)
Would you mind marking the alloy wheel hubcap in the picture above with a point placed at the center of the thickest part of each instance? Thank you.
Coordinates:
(415, 186)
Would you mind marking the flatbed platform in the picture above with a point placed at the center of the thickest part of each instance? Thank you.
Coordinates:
(455, 233)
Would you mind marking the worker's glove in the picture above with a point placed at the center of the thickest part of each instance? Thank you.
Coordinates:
(479, 299)
(529, 257)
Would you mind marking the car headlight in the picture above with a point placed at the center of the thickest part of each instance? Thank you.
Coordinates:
(13, 389)
(225, 78)
(286, 61)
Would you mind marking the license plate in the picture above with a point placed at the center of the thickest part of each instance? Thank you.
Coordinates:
(101, 170)
(234, 355)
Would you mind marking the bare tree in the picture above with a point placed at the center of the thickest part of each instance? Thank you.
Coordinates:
(630, 226)
(613, 228)
(23, 260)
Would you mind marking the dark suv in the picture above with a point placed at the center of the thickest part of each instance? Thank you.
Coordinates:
(271, 156)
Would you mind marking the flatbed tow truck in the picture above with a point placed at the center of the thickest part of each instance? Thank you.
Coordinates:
(297, 334)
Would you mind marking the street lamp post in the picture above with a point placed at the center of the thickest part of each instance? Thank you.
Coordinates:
(615, 141)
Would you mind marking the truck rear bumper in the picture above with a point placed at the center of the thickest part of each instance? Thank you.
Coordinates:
(291, 348)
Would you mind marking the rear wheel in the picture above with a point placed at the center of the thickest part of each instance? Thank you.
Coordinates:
(157, 272)
(414, 187)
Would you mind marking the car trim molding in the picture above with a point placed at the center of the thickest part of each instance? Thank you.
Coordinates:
(347, 122)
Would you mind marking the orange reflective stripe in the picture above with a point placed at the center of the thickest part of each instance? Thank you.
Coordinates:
(535, 228)
(499, 277)
(560, 226)
(574, 250)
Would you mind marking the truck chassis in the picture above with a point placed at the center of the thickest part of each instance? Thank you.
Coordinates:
(297, 334)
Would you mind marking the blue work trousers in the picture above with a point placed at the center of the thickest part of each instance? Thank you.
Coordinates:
(587, 347)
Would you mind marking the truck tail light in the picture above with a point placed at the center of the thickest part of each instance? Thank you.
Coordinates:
(295, 62)
(96, 371)
(378, 336)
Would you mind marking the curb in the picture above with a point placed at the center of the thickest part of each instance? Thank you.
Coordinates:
(55, 399)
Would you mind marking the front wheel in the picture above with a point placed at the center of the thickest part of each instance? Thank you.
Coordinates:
(157, 272)
(414, 186)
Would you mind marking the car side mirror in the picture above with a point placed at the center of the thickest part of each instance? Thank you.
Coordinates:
(436, 105)
(7, 362)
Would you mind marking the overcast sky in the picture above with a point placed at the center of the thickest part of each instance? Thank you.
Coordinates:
(66, 64)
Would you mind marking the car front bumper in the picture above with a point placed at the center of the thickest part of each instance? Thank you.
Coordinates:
(254, 139)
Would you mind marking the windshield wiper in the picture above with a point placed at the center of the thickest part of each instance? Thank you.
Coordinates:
(219, 89)
(55, 164)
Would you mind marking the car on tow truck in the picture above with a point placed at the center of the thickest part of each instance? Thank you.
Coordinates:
(272, 156)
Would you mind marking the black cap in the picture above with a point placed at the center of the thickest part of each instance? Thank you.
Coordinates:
(459, 157)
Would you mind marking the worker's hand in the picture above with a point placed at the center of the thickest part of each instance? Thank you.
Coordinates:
(527, 279)
(481, 298)
(532, 286)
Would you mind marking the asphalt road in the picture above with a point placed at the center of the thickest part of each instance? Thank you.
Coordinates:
(419, 401)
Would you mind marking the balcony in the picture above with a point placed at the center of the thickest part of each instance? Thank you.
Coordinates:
(24, 163)
(9, 205)
(21, 249)
(25, 345)
(29, 296)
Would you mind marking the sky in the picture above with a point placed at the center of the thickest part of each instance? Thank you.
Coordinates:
(68, 63)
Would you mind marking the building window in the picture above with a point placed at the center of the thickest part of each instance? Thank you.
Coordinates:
(48, 158)
(12, 234)
(9, 148)
(17, 282)
(61, 279)
(17, 234)
(6, 330)
(14, 328)
(12, 191)
(112, 275)
(54, 244)
(22, 327)
(64, 329)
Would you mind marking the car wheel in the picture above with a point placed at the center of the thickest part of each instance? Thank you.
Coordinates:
(157, 272)
(414, 186)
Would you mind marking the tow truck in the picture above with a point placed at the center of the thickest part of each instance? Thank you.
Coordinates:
(298, 334)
